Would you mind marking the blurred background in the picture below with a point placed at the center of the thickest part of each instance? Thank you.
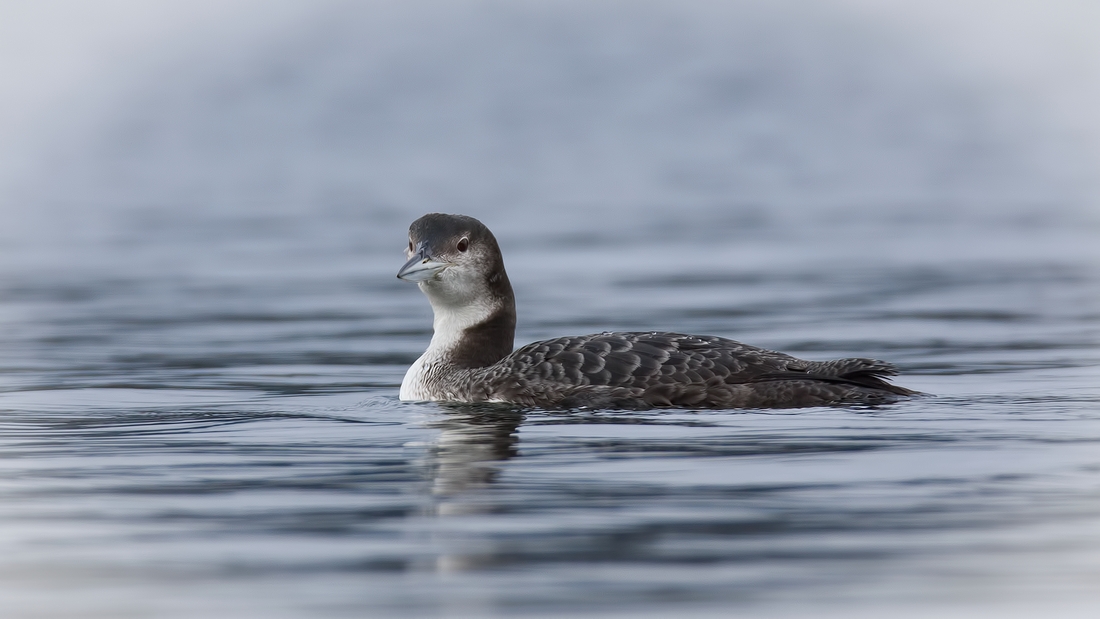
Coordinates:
(203, 205)
(124, 114)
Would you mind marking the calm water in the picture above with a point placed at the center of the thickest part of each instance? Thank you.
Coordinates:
(198, 382)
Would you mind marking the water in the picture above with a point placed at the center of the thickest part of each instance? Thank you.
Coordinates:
(198, 384)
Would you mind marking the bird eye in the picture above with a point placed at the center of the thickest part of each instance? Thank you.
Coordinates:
(463, 244)
(410, 246)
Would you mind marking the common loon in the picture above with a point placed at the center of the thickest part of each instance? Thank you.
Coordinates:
(457, 263)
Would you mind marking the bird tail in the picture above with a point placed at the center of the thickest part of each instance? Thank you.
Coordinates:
(865, 372)
(870, 373)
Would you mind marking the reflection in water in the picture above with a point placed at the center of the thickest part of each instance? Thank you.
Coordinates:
(474, 438)
(463, 461)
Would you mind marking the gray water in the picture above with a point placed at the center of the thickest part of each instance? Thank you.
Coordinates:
(202, 336)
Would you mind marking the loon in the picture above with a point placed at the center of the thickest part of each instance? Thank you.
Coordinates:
(457, 263)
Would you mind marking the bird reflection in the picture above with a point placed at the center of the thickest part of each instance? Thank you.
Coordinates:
(474, 439)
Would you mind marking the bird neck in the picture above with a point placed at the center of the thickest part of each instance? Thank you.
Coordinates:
(476, 334)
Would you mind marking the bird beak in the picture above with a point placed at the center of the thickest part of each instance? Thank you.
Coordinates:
(421, 266)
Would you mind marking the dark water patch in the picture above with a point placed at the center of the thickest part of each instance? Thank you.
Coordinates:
(689, 280)
(755, 446)
(982, 316)
(150, 361)
(1000, 367)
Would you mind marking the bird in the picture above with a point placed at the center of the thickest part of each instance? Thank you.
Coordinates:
(457, 263)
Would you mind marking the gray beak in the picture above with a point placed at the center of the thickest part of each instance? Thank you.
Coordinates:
(421, 266)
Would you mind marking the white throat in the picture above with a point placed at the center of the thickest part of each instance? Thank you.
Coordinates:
(451, 320)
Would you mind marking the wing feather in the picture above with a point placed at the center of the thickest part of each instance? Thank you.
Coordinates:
(645, 369)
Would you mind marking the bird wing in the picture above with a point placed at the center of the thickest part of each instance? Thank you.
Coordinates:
(674, 369)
